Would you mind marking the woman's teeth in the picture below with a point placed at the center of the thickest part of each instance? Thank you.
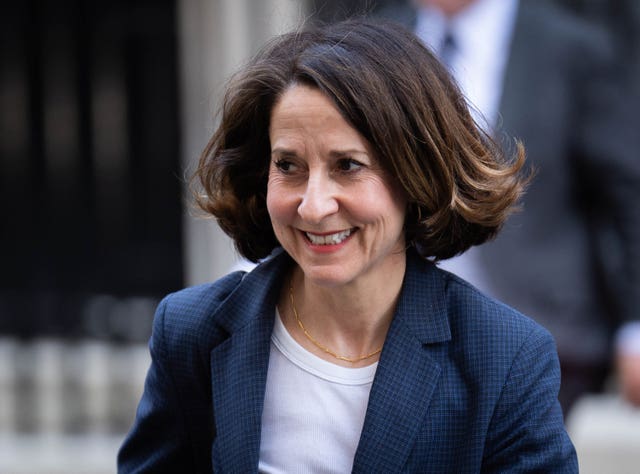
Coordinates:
(331, 239)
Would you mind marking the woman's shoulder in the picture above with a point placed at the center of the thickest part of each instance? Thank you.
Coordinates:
(489, 318)
(191, 310)
(201, 299)
(208, 313)
(451, 309)
(495, 345)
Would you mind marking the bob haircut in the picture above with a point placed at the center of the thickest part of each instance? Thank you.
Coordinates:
(459, 184)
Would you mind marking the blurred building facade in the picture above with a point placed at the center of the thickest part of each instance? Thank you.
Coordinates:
(104, 110)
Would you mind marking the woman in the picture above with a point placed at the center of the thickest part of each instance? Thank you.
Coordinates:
(347, 159)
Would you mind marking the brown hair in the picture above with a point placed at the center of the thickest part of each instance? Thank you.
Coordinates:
(460, 184)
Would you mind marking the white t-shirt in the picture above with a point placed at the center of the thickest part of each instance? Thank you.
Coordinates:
(313, 410)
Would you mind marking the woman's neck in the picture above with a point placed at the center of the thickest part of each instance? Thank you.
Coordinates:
(349, 320)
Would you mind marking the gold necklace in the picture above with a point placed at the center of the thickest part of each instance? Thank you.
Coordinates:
(320, 346)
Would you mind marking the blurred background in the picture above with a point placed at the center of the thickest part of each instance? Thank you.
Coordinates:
(104, 110)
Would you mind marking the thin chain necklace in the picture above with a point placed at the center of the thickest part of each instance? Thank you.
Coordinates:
(320, 346)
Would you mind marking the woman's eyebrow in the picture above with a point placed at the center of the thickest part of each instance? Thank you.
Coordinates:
(284, 152)
(348, 153)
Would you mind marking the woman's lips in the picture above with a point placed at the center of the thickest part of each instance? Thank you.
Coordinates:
(333, 238)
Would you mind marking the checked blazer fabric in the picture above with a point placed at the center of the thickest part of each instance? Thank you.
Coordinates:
(464, 384)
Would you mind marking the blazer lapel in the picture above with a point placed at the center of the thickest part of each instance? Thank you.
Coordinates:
(239, 368)
(405, 379)
(407, 375)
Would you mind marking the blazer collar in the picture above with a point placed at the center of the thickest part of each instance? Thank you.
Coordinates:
(422, 303)
(403, 385)
(407, 373)
(423, 294)
(239, 365)
(257, 292)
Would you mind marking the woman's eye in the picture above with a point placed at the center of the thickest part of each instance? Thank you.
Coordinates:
(348, 164)
(284, 165)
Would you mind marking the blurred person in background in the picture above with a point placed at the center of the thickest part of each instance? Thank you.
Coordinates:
(571, 259)
(347, 162)
(622, 18)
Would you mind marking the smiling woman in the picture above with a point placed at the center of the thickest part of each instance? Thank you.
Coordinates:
(332, 207)
(347, 161)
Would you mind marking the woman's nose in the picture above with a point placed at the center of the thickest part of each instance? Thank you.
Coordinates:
(319, 200)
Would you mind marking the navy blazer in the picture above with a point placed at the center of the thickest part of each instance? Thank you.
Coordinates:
(463, 384)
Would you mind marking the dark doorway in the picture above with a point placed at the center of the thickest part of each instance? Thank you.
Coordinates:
(90, 177)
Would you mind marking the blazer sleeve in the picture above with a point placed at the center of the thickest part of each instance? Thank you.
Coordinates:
(158, 440)
(174, 426)
(527, 432)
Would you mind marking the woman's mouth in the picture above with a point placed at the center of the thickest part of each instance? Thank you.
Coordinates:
(329, 239)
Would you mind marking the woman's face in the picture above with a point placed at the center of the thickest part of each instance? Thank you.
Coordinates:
(333, 208)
